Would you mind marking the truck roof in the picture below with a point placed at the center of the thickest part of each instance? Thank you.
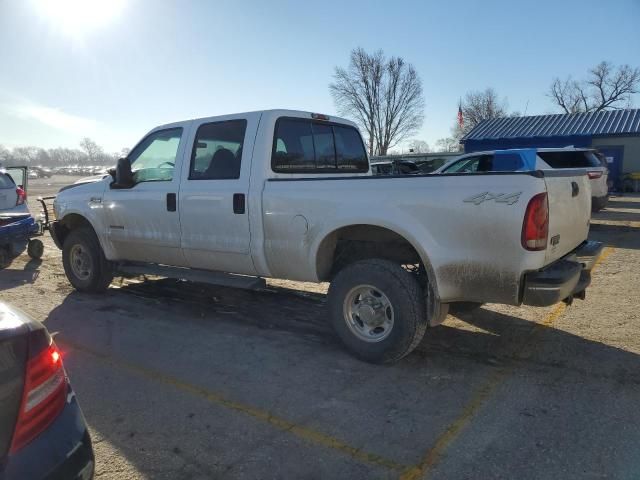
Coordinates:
(271, 113)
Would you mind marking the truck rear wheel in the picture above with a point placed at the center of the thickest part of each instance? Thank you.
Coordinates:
(378, 310)
(84, 263)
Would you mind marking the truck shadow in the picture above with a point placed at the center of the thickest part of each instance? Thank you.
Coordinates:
(618, 236)
(495, 340)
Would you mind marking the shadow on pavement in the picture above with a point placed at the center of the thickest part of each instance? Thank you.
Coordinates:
(504, 340)
(618, 236)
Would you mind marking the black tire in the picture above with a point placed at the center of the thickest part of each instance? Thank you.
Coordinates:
(403, 292)
(465, 307)
(99, 273)
(35, 249)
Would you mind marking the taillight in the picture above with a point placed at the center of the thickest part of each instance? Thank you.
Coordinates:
(535, 227)
(22, 196)
(43, 397)
(594, 175)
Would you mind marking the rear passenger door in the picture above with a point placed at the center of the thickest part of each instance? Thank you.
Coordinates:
(213, 195)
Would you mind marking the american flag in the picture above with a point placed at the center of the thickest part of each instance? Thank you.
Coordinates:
(460, 116)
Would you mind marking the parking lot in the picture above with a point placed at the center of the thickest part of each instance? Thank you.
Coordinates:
(187, 381)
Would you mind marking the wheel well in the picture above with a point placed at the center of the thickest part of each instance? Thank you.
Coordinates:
(358, 242)
(71, 222)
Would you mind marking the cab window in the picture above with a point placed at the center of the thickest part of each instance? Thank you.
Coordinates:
(154, 159)
(305, 146)
(217, 151)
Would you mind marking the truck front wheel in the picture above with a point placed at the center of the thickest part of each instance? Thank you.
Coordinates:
(378, 310)
(84, 263)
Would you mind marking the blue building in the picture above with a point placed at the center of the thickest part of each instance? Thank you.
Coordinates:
(615, 133)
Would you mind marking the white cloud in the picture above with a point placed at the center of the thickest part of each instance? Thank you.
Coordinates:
(54, 117)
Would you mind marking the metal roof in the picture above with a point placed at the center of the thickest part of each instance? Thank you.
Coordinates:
(612, 122)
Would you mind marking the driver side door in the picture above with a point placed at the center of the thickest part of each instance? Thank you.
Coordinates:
(142, 222)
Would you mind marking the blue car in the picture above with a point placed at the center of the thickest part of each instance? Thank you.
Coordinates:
(43, 434)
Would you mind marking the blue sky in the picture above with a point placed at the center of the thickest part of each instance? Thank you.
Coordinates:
(116, 69)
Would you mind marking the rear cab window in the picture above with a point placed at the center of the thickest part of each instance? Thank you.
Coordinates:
(571, 159)
(308, 146)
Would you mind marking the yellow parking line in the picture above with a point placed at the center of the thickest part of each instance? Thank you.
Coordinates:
(299, 431)
(431, 457)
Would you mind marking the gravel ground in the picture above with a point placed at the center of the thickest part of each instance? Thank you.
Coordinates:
(185, 381)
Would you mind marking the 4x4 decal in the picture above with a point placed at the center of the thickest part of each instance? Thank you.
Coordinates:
(508, 198)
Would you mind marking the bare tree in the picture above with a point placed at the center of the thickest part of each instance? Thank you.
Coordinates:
(92, 149)
(448, 144)
(383, 95)
(5, 156)
(25, 155)
(478, 106)
(419, 146)
(605, 88)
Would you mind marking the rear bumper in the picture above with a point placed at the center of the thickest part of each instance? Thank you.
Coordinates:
(62, 452)
(598, 203)
(564, 279)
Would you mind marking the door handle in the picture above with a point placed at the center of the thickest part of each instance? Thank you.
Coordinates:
(575, 189)
(239, 203)
(171, 202)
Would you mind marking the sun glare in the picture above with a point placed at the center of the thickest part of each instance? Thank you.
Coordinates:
(78, 18)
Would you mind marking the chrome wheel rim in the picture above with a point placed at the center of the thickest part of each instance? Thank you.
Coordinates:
(80, 261)
(368, 313)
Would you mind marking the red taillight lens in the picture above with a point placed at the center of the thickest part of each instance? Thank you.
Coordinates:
(43, 397)
(535, 227)
(22, 196)
(593, 175)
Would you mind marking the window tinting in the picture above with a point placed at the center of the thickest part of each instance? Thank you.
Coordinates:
(324, 146)
(303, 146)
(570, 159)
(293, 149)
(349, 148)
(217, 151)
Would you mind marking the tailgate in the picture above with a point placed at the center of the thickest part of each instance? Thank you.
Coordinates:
(569, 194)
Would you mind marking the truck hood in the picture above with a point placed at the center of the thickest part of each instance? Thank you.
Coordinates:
(85, 181)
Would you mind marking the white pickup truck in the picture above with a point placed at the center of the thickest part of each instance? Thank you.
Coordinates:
(289, 194)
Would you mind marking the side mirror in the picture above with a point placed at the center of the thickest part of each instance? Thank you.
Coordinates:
(123, 177)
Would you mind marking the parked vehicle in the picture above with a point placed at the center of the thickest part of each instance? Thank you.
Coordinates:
(17, 227)
(290, 194)
(43, 434)
(39, 172)
(547, 158)
(394, 167)
(13, 197)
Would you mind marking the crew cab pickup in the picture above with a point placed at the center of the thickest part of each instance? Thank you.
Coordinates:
(290, 195)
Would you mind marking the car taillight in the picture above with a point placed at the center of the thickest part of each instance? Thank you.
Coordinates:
(43, 398)
(535, 227)
(22, 196)
(594, 175)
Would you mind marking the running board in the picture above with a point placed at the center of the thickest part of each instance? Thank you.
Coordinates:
(194, 275)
